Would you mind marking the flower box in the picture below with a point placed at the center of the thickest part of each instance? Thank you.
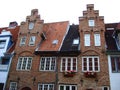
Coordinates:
(69, 73)
(90, 74)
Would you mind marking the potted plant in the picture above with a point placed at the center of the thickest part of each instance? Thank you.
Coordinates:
(69, 73)
(90, 74)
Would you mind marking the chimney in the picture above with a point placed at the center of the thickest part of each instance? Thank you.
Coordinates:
(13, 24)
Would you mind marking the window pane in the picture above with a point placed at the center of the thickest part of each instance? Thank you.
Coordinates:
(113, 64)
(67, 87)
(87, 40)
(45, 87)
(97, 39)
(73, 88)
(118, 64)
(53, 64)
(69, 64)
(47, 64)
(85, 64)
(42, 63)
(40, 87)
(74, 64)
(90, 64)
(51, 87)
(91, 22)
(61, 87)
(96, 64)
(2, 43)
(63, 64)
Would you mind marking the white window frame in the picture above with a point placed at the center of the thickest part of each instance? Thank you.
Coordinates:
(93, 64)
(24, 63)
(43, 86)
(31, 25)
(70, 86)
(97, 40)
(2, 44)
(22, 40)
(86, 39)
(66, 63)
(13, 86)
(91, 23)
(47, 64)
(116, 64)
(105, 87)
(32, 41)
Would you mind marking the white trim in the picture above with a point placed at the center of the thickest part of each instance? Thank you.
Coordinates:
(45, 60)
(48, 86)
(66, 62)
(22, 58)
(93, 66)
(68, 85)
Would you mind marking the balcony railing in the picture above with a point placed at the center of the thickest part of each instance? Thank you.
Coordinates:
(3, 67)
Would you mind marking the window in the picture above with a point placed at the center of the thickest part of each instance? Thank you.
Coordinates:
(67, 87)
(55, 42)
(90, 64)
(69, 63)
(91, 23)
(105, 88)
(24, 63)
(45, 86)
(76, 41)
(13, 86)
(31, 25)
(32, 40)
(2, 44)
(97, 39)
(87, 40)
(118, 40)
(47, 63)
(22, 41)
(115, 64)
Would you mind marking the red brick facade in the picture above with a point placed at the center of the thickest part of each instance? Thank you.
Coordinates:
(34, 76)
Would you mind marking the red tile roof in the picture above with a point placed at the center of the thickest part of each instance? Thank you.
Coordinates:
(53, 31)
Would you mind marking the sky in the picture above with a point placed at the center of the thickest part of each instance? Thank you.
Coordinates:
(56, 10)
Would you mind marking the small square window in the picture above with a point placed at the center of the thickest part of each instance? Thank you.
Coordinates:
(55, 42)
(31, 25)
(76, 41)
(2, 44)
(91, 23)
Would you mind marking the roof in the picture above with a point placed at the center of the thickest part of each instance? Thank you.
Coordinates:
(72, 34)
(14, 31)
(55, 33)
(110, 40)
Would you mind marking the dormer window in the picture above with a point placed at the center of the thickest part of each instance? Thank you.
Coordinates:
(75, 41)
(31, 25)
(55, 42)
(91, 23)
(2, 44)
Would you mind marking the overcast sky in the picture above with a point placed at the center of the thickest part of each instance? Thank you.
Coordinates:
(56, 10)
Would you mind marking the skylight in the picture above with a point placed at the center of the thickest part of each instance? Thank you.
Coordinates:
(55, 42)
(76, 41)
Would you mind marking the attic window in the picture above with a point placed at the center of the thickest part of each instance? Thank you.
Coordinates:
(76, 41)
(2, 44)
(55, 42)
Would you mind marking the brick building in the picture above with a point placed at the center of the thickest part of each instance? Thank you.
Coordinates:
(59, 56)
